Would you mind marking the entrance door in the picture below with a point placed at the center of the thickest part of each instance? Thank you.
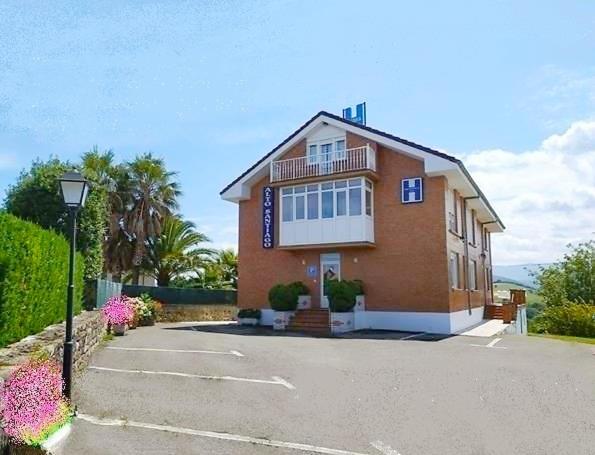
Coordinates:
(330, 269)
(326, 158)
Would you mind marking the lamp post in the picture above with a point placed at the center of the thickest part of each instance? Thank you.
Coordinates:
(74, 189)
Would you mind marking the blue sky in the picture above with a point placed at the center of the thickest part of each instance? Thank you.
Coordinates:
(213, 85)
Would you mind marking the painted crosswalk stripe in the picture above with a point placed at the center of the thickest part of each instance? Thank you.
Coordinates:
(275, 379)
(216, 435)
(183, 351)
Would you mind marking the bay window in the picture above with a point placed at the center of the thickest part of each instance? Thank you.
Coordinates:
(327, 200)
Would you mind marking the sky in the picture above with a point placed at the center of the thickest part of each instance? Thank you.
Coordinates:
(211, 86)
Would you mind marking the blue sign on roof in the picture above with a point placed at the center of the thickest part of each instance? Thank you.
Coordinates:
(360, 114)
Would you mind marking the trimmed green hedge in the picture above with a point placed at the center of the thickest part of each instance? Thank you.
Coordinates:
(33, 278)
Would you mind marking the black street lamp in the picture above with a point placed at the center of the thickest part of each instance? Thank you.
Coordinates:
(74, 189)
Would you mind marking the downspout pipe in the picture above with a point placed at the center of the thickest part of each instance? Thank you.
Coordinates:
(466, 251)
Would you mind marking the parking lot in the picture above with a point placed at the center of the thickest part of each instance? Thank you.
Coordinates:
(206, 389)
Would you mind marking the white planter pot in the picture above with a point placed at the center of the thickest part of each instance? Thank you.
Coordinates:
(119, 329)
(281, 319)
(248, 321)
(360, 303)
(304, 302)
(342, 322)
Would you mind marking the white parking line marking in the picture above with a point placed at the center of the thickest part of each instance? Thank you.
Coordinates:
(385, 449)
(492, 343)
(408, 337)
(189, 351)
(215, 435)
(284, 382)
(276, 380)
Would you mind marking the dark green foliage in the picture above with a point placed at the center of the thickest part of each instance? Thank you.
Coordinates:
(341, 294)
(249, 313)
(571, 279)
(283, 297)
(36, 197)
(33, 278)
(568, 290)
(576, 319)
(299, 288)
(534, 309)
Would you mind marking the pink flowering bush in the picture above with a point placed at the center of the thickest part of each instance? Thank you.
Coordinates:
(31, 403)
(118, 310)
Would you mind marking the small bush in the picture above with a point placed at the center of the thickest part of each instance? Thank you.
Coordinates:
(283, 297)
(341, 295)
(32, 405)
(358, 287)
(249, 313)
(575, 319)
(299, 288)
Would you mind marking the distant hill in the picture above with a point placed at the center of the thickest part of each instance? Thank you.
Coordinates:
(517, 273)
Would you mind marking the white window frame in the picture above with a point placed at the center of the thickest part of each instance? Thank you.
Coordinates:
(334, 154)
(289, 191)
(455, 281)
(472, 267)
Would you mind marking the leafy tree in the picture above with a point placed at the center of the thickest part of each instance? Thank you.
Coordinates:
(572, 279)
(217, 271)
(568, 290)
(175, 251)
(36, 197)
(153, 194)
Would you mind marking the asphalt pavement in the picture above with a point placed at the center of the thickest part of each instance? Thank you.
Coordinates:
(208, 389)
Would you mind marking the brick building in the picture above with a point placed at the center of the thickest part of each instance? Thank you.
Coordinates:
(340, 199)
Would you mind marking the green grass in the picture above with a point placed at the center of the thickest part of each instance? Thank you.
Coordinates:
(568, 338)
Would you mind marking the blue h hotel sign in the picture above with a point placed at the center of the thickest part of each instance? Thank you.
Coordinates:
(412, 190)
(268, 217)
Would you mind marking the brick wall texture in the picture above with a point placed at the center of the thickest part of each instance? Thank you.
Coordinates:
(407, 270)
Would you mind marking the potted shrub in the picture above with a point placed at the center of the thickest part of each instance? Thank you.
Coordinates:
(117, 312)
(360, 300)
(283, 299)
(133, 324)
(248, 316)
(304, 300)
(342, 299)
(149, 309)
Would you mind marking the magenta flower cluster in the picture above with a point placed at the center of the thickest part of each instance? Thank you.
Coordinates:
(32, 406)
(118, 310)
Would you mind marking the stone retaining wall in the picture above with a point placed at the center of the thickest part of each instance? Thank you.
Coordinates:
(88, 332)
(200, 312)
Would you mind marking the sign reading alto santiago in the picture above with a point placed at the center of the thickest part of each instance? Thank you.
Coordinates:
(268, 217)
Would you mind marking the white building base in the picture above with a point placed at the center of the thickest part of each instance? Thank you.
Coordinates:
(410, 321)
(406, 321)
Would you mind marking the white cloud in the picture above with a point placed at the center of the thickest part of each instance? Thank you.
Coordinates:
(546, 197)
(222, 231)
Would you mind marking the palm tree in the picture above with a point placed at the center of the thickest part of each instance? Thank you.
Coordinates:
(227, 261)
(118, 245)
(153, 194)
(175, 250)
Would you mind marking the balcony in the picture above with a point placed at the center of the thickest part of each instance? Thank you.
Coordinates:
(324, 164)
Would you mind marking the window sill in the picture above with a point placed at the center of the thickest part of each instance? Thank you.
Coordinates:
(456, 234)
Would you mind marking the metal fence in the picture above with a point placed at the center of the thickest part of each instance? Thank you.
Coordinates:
(183, 296)
(98, 292)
